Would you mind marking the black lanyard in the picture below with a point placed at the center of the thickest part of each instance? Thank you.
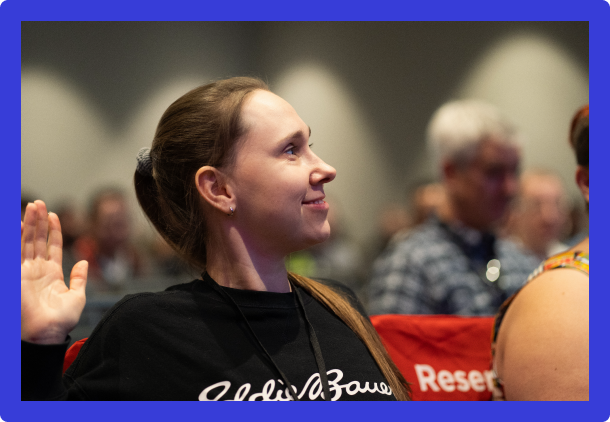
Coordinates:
(313, 339)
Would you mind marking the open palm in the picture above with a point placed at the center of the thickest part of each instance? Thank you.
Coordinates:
(49, 309)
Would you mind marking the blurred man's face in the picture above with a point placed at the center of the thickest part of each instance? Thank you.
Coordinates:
(541, 212)
(482, 190)
(428, 199)
(112, 228)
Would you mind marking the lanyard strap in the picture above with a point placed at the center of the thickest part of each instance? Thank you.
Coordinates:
(312, 339)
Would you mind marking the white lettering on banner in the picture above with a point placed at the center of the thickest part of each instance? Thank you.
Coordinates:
(313, 386)
(426, 377)
(476, 381)
(460, 377)
(445, 380)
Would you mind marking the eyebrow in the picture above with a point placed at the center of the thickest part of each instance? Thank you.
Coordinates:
(296, 134)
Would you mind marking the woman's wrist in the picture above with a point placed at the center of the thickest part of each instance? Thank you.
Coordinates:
(51, 337)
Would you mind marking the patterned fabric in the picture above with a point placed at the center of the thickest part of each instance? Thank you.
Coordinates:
(576, 260)
(441, 269)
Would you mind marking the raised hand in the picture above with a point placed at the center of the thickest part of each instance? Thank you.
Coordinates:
(49, 309)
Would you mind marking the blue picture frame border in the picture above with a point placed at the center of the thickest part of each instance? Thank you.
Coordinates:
(13, 12)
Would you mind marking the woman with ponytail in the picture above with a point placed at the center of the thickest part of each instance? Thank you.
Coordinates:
(232, 184)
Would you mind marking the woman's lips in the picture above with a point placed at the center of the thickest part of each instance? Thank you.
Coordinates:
(317, 204)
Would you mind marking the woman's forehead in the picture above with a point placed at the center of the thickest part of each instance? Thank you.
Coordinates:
(271, 115)
(262, 103)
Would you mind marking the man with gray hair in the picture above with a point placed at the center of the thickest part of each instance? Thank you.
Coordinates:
(453, 264)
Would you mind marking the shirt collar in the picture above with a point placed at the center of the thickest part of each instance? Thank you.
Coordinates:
(469, 235)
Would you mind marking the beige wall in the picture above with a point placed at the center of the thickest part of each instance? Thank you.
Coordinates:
(93, 92)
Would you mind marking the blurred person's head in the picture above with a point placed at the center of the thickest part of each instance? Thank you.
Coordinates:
(477, 153)
(579, 139)
(72, 224)
(393, 219)
(109, 220)
(427, 199)
(577, 220)
(540, 212)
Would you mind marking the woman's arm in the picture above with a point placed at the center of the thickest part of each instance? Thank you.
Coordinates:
(543, 343)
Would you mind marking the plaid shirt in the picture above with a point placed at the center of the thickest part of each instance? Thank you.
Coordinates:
(441, 269)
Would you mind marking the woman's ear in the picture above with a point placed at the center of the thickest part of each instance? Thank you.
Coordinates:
(582, 180)
(211, 185)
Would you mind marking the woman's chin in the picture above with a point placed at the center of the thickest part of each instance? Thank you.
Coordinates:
(323, 238)
(314, 239)
(324, 233)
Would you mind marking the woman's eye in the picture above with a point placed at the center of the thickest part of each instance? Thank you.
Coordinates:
(293, 149)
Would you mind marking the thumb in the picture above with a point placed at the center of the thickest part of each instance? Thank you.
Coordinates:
(78, 276)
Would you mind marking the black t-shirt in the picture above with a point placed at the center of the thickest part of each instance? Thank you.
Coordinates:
(190, 343)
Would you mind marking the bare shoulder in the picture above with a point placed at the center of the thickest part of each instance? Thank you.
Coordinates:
(554, 294)
(543, 343)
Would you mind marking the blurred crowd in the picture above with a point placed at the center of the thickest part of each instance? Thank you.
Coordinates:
(534, 216)
(120, 261)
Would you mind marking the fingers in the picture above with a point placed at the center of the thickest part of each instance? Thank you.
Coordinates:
(55, 242)
(42, 230)
(28, 232)
(78, 277)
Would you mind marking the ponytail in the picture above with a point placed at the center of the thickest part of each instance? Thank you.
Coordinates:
(172, 222)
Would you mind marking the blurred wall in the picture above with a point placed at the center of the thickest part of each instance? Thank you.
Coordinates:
(93, 92)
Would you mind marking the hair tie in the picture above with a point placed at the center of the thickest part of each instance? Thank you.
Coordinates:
(144, 167)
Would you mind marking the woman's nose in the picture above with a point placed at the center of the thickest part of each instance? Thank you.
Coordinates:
(322, 173)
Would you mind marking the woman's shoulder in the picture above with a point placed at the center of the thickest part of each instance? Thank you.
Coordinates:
(558, 287)
(545, 328)
(335, 285)
(553, 283)
(141, 304)
(553, 292)
(344, 291)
